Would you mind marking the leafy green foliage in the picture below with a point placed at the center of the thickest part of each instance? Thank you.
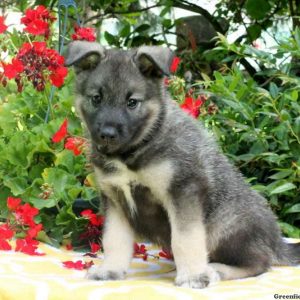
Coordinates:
(258, 125)
(37, 170)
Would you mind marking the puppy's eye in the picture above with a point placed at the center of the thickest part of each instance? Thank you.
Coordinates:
(96, 100)
(132, 103)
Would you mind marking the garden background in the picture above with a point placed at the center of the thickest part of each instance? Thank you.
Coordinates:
(238, 73)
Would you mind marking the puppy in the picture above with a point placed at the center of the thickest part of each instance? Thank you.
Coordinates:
(163, 178)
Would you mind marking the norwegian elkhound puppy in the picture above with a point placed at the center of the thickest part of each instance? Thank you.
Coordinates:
(163, 178)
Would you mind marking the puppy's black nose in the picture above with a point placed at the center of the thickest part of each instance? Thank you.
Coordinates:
(108, 133)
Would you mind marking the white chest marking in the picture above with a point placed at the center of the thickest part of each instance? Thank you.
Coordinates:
(157, 177)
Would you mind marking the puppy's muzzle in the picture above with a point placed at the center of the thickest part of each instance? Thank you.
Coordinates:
(108, 135)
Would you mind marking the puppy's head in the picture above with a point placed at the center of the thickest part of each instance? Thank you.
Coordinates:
(119, 93)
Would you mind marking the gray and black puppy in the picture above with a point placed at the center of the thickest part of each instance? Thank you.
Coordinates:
(163, 177)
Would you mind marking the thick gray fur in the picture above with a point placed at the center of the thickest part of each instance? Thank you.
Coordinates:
(241, 230)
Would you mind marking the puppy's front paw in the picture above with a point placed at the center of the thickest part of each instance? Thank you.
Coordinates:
(198, 281)
(99, 273)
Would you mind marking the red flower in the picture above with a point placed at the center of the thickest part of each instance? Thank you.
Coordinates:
(139, 249)
(166, 254)
(192, 106)
(95, 247)
(38, 64)
(84, 33)
(4, 245)
(58, 76)
(5, 232)
(37, 21)
(24, 214)
(61, 133)
(13, 203)
(27, 246)
(69, 247)
(38, 27)
(77, 265)
(75, 144)
(13, 69)
(174, 65)
(93, 218)
(3, 27)
(34, 230)
(91, 233)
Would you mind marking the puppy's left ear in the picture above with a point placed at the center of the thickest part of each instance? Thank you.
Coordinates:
(153, 61)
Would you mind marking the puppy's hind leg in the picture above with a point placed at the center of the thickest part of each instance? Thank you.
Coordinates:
(227, 272)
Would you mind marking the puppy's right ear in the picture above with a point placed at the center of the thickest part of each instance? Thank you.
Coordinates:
(83, 55)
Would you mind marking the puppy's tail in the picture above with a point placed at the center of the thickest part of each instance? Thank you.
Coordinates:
(293, 252)
(289, 254)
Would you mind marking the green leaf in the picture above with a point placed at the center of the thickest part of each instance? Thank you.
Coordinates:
(294, 95)
(17, 185)
(60, 180)
(294, 209)
(254, 31)
(125, 31)
(283, 188)
(111, 39)
(273, 90)
(257, 9)
(42, 203)
(281, 174)
(289, 230)
(142, 28)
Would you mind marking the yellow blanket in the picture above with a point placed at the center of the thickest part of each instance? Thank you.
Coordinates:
(24, 277)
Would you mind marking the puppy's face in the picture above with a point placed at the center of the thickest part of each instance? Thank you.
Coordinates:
(118, 92)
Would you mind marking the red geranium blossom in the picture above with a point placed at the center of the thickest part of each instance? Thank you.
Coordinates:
(140, 250)
(6, 232)
(38, 27)
(77, 265)
(13, 69)
(13, 203)
(34, 230)
(84, 33)
(61, 133)
(37, 21)
(69, 246)
(3, 27)
(174, 65)
(166, 254)
(75, 144)
(36, 63)
(27, 246)
(95, 247)
(58, 76)
(25, 213)
(4, 245)
(93, 218)
(192, 106)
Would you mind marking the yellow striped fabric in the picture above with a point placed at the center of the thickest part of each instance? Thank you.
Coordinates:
(25, 277)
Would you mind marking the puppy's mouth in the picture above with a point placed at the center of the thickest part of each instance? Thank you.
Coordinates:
(107, 148)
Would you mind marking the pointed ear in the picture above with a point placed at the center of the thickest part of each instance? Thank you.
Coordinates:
(84, 55)
(153, 61)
